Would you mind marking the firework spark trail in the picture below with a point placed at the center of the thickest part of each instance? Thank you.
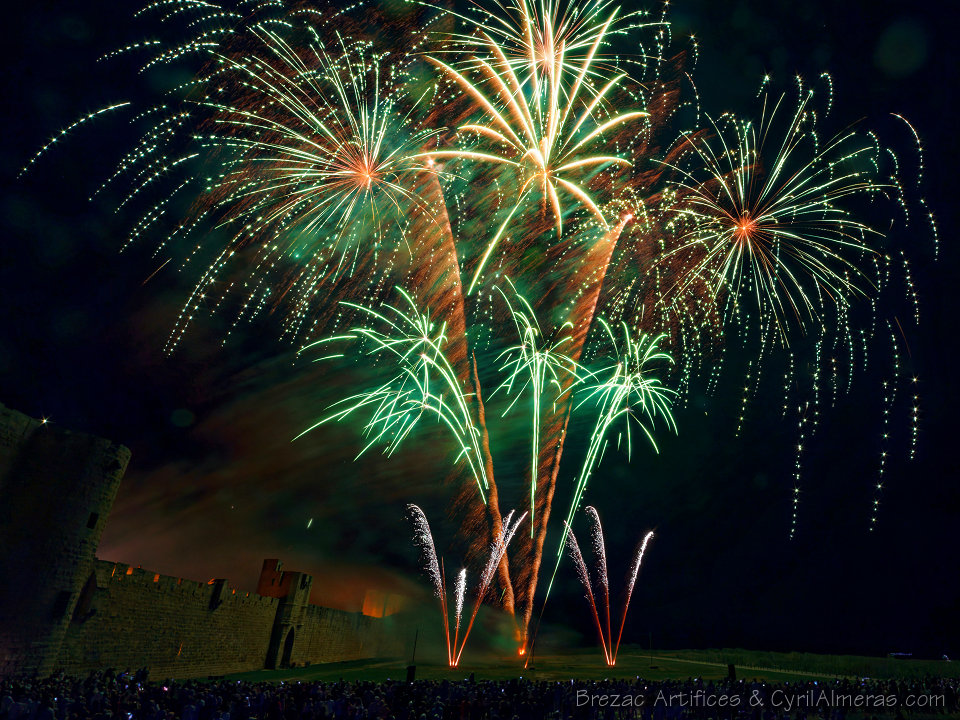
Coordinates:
(600, 551)
(423, 539)
(437, 284)
(584, 575)
(610, 647)
(634, 572)
(425, 383)
(460, 590)
(497, 528)
(60, 136)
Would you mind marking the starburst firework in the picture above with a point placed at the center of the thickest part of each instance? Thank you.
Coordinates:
(322, 166)
(766, 215)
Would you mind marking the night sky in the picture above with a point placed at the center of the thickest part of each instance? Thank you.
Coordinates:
(215, 484)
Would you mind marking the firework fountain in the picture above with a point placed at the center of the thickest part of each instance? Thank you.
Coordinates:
(423, 539)
(522, 189)
(609, 644)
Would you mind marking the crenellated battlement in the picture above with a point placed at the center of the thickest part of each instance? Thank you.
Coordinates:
(79, 613)
(122, 574)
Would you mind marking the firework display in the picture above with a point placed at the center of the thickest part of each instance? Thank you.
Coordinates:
(423, 538)
(609, 645)
(425, 384)
(502, 198)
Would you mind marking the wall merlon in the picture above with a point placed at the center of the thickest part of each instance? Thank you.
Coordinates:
(80, 613)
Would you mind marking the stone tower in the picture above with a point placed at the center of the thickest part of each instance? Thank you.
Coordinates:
(293, 591)
(56, 490)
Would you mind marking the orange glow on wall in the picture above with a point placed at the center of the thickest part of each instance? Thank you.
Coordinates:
(377, 603)
(156, 578)
(129, 571)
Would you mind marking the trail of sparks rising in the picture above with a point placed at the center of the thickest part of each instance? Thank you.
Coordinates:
(581, 566)
(634, 572)
(423, 539)
(533, 367)
(600, 552)
(609, 645)
(459, 591)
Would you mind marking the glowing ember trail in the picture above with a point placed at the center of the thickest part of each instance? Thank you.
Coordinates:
(320, 161)
(423, 539)
(610, 646)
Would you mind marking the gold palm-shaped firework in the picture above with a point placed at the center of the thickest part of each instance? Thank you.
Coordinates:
(546, 123)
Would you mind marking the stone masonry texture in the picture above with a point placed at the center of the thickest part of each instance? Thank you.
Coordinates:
(62, 608)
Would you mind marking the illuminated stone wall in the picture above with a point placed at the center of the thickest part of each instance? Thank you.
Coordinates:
(56, 490)
(176, 628)
(61, 608)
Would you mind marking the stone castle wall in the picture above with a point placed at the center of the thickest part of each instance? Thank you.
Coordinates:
(182, 628)
(60, 607)
(329, 635)
(56, 490)
(174, 627)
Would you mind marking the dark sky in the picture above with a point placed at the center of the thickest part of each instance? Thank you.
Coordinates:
(215, 484)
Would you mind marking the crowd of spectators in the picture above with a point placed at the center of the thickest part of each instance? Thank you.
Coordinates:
(131, 696)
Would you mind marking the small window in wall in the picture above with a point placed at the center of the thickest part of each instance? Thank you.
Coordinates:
(93, 520)
(60, 604)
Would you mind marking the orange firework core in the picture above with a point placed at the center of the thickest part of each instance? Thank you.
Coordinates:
(366, 175)
(358, 169)
(744, 229)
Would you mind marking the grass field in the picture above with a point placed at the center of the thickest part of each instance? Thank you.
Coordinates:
(632, 662)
